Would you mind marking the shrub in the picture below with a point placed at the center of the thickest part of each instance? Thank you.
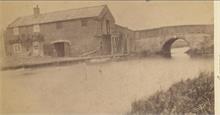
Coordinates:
(194, 96)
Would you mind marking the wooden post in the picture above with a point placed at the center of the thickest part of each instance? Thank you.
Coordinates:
(127, 44)
(112, 47)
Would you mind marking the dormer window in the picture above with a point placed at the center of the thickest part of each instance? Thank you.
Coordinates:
(36, 28)
(16, 31)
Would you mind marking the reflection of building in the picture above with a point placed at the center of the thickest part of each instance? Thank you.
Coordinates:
(76, 32)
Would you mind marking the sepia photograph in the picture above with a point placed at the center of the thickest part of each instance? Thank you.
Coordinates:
(107, 57)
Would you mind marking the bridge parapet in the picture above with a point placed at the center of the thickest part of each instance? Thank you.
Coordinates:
(153, 40)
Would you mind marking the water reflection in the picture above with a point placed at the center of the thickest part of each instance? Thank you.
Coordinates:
(98, 88)
(179, 53)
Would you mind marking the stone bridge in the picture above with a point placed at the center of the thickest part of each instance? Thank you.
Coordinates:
(161, 39)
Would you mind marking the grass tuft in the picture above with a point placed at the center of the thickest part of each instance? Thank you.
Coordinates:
(192, 96)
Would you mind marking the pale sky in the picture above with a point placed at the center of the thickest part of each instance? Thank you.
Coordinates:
(132, 14)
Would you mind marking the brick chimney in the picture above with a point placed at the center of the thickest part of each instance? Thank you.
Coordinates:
(36, 10)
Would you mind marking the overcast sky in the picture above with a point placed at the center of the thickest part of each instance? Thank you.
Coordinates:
(134, 15)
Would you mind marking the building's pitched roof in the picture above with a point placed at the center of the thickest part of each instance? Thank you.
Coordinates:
(86, 12)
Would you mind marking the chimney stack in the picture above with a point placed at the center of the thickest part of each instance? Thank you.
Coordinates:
(36, 11)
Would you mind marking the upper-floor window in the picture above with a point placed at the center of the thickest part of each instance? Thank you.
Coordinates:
(84, 22)
(59, 25)
(16, 31)
(36, 28)
(107, 26)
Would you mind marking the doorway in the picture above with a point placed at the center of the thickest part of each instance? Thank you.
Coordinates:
(61, 48)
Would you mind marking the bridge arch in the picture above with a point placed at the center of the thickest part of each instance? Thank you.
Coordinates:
(166, 46)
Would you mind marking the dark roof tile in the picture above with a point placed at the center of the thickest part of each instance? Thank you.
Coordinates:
(58, 16)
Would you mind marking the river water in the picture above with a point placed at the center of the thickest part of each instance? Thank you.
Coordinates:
(95, 88)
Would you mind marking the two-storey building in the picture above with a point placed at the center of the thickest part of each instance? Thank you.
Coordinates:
(74, 32)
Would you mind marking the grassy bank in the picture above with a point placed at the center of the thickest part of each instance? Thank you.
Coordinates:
(195, 96)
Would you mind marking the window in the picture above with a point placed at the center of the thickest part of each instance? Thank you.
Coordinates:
(16, 31)
(36, 28)
(107, 26)
(17, 48)
(59, 25)
(84, 22)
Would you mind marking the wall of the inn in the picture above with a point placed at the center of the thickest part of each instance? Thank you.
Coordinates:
(84, 35)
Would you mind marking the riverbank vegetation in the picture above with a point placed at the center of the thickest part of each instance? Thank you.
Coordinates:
(194, 96)
(203, 52)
